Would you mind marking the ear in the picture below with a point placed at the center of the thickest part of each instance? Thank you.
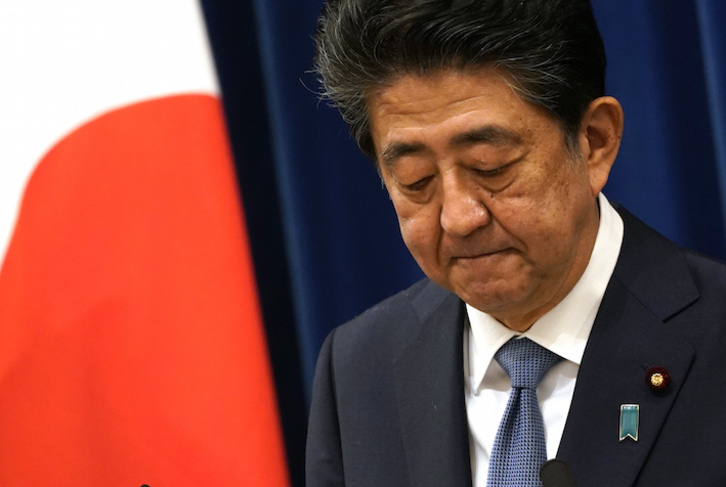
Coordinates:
(600, 133)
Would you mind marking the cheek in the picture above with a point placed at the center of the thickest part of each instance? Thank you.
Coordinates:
(420, 230)
(552, 228)
(533, 218)
(416, 233)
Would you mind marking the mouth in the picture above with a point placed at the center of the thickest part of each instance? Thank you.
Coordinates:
(480, 255)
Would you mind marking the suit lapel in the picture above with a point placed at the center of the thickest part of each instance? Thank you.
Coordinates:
(430, 394)
(651, 283)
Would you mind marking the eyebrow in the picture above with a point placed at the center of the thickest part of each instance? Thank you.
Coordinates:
(488, 134)
(396, 150)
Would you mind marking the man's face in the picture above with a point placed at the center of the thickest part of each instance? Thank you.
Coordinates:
(489, 201)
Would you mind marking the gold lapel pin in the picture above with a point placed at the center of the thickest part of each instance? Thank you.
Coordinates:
(658, 379)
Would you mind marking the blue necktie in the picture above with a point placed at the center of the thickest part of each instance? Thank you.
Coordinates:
(519, 448)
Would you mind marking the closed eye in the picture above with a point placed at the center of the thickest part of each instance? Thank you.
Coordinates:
(497, 171)
(490, 173)
(418, 185)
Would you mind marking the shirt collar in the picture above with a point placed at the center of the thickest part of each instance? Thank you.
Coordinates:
(565, 328)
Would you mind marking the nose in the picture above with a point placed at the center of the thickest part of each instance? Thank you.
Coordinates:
(462, 208)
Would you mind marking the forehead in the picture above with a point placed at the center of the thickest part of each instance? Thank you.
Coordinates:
(448, 105)
(410, 93)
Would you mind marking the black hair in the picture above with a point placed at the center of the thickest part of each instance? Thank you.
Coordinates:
(550, 50)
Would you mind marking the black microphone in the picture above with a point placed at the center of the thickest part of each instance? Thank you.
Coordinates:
(556, 473)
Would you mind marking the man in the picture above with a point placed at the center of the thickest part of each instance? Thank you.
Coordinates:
(489, 126)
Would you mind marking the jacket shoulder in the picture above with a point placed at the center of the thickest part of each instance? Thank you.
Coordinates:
(392, 323)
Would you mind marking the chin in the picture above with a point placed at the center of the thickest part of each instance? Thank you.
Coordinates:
(493, 301)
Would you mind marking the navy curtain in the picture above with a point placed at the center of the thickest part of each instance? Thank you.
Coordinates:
(324, 235)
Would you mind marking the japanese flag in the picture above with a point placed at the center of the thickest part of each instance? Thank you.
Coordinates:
(132, 349)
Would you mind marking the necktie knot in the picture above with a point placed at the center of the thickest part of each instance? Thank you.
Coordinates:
(525, 362)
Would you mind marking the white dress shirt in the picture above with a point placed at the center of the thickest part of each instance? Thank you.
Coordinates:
(563, 330)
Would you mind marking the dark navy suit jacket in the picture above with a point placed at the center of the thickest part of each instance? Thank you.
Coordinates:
(388, 401)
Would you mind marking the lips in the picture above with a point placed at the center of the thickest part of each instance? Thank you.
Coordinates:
(474, 247)
(479, 254)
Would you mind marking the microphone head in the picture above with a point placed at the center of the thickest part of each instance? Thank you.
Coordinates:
(556, 473)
